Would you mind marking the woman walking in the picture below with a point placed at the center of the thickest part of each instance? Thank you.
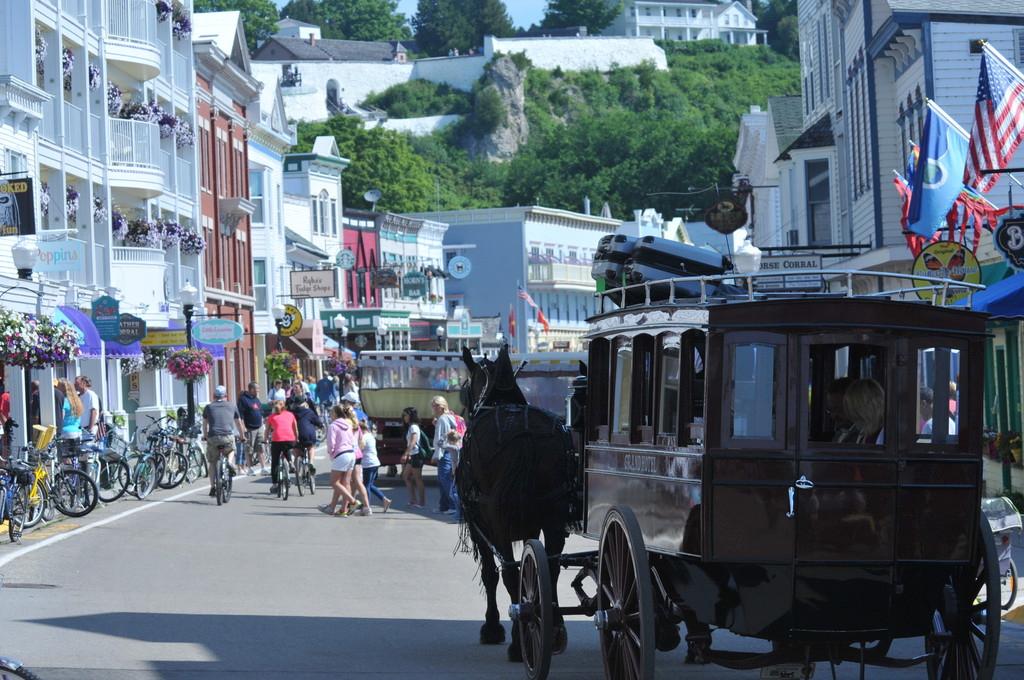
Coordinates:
(371, 463)
(413, 459)
(355, 479)
(284, 434)
(341, 441)
(445, 455)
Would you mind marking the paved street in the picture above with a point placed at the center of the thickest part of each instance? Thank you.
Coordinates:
(182, 589)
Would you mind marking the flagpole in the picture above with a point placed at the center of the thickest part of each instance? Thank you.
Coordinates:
(938, 110)
(998, 56)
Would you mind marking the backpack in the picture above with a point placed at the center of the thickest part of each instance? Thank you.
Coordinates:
(426, 450)
(460, 424)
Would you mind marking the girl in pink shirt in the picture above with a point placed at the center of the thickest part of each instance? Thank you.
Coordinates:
(342, 436)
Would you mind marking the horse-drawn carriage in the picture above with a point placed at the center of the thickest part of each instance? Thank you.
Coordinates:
(803, 469)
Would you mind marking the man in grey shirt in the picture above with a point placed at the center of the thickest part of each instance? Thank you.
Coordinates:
(221, 427)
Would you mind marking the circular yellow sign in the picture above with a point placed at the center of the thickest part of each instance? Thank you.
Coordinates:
(946, 260)
(292, 321)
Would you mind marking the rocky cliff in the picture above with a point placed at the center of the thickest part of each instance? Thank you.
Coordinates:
(500, 141)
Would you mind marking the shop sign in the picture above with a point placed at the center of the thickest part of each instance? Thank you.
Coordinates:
(17, 208)
(725, 216)
(132, 329)
(946, 260)
(106, 316)
(313, 283)
(164, 339)
(345, 259)
(61, 256)
(384, 278)
(291, 324)
(460, 267)
(790, 263)
(415, 285)
(134, 386)
(1009, 238)
(473, 329)
(217, 331)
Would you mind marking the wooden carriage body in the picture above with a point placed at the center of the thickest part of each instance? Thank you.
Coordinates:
(723, 428)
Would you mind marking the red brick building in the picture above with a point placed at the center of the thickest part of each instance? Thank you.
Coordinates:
(225, 90)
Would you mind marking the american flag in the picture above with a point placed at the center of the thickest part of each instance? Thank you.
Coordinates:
(998, 120)
(523, 295)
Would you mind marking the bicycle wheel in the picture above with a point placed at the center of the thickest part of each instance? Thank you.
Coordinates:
(310, 479)
(160, 465)
(74, 492)
(18, 513)
(36, 506)
(195, 467)
(113, 480)
(144, 479)
(286, 479)
(174, 471)
(300, 471)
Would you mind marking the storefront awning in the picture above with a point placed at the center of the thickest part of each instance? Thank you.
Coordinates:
(89, 343)
(1002, 300)
(116, 350)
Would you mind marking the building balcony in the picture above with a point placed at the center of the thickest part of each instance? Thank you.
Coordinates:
(134, 157)
(674, 22)
(558, 276)
(141, 274)
(132, 37)
(21, 101)
(74, 127)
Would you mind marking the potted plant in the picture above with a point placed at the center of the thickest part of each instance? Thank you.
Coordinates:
(335, 367)
(190, 365)
(191, 243)
(281, 366)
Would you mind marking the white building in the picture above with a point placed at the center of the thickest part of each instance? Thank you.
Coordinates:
(731, 22)
(270, 137)
(71, 73)
(755, 164)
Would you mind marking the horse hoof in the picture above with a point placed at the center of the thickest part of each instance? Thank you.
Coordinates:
(666, 637)
(515, 652)
(492, 634)
(561, 640)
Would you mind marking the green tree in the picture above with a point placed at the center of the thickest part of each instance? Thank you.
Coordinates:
(259, 17)
(596, 15)
(380, 158)
(351, 19)
(443, 25)
(778, 17)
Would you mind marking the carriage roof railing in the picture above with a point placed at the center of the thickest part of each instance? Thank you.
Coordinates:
(939, 287)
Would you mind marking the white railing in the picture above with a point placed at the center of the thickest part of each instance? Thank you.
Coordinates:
(20, 96)
(48, 126)
(134, 142)
(186, 180)
(181, 70)
(95, 127)
(74, 126)
(132, 20)
(75, 8)
(555, 272)
(166, 164)
(138, 256)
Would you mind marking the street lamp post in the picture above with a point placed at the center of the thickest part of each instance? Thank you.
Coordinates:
(382, 332)
(278, 312)
(441, 339)
(189, 298)
(25, 254)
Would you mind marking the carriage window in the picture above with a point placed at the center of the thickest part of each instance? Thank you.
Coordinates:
(753, 398)
(668, 417)
(846, 394)
(623, 386)
(597, 390)
(938, 395)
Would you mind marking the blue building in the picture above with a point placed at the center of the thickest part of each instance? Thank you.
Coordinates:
(546, 252)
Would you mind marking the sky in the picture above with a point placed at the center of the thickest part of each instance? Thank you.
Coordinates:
(524, 12)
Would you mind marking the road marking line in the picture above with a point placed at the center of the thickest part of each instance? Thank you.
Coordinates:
(7, 559)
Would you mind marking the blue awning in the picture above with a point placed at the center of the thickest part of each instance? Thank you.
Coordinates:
(1002, 300)
(88, 337)
(216, 350)
(116, 350)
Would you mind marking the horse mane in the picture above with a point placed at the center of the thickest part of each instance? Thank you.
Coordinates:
(503, 388)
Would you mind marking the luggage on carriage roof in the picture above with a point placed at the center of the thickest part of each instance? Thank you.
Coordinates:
(606, 270)
(616, 247)
(678, 259)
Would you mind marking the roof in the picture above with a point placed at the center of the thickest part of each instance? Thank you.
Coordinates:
(288, 22)
(325, 145)
(277, 48)
(815, 137)
(220, 27)
(988, 7)
(787, 117)
(302, 243)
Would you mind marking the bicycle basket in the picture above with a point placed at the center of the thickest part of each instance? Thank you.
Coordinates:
(44, 435)
(117, 446)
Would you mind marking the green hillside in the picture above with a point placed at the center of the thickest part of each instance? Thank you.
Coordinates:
(616, 137)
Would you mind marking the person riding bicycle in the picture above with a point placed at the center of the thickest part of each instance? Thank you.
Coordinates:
(222, 426)
(252, 414)
(308, 423)
(326, 394)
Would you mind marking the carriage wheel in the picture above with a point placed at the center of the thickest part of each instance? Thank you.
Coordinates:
(625, 603)
(535, 613)
(970, 653)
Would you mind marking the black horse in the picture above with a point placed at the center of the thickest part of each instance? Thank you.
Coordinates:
(516, 479)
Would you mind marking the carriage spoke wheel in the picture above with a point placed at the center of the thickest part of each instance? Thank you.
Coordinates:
(535, 612)
(970, 651)
(625, 616)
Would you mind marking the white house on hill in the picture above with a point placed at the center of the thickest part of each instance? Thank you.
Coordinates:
(731, 22)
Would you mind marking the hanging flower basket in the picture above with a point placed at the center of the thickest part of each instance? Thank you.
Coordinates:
(99, 210)
(57, 344)
(335, 367)
(67, 65)
(190, 365)
(281, 366)
(171, 233)
(136, 110)
(41, 49)
(163, 10)
(168, 123)
(155, 358)
(44, 199)
(118, 225)
(191, 243)
(181, 21)
(184, 135)
(71, 203)
(143, 233)
(31, 342)
(115, 99)
(95, 77)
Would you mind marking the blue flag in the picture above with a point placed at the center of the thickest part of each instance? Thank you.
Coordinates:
(938, 177)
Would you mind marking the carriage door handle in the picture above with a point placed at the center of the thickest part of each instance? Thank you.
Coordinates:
(803, 483)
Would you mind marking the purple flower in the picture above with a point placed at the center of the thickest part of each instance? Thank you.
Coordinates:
(71, 203)
(67, 63)
(181, 24)
(95, 77)
(114, 100)
(119, 225)
(41, 49)
(184, 135)
(191, 243)
(163, 10)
